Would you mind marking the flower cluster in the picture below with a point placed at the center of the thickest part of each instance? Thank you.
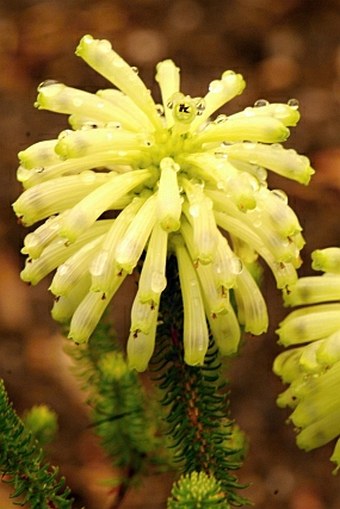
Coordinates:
(134, 177)
(313, 367)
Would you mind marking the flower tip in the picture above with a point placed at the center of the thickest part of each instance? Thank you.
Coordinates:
(139, 365)
(309, 172)
(84, 42)
(318, 259)
(77, 339)
(194, 358)
(283, 133)
(234, 80)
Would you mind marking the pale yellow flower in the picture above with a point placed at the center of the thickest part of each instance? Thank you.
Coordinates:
(175, 182)
(313, 368)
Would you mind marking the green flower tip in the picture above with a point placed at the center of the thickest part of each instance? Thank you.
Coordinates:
(312, 369)
(113, 366)
(133, 179)
(42, 423)
(197, 491)
(327, 260)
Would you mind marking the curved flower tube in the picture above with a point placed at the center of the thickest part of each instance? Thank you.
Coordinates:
(169, 180)
(312, 369)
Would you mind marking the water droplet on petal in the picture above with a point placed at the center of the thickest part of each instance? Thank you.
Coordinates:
(200, 105)
(257, 222)
(220, 119)
(194, 210)
(105, 46)
(114, 125)
(65, 133)
(236, 265)
(89, 125)
(279, 193)
(261, 102)
(221, 155)
(77, 102)
(293, 103)
(160, 109)
(249, 145)
(47, 83)
(248, 112)
(135, 69)
(261, 173)
(158, 282)
(87, 176)
(64, 269)
(228, 73)
(216, 86)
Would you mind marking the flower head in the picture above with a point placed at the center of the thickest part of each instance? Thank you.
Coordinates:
(133, 176)
(313, 367)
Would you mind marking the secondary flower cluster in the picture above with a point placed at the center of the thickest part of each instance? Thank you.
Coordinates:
(313, 367)
(133, 176)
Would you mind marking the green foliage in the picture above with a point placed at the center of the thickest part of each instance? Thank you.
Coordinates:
(199, 428)
(197, 491)
(41, 421)
(21, 463)
(117, 400)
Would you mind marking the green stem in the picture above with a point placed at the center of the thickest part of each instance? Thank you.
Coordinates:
(196, 399)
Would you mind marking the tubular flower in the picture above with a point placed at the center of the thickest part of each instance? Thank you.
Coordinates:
(132, 177)
(313, 367)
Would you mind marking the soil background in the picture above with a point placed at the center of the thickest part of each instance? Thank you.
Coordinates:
(284, 49)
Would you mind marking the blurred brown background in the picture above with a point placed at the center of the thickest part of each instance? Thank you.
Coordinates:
(284, 49)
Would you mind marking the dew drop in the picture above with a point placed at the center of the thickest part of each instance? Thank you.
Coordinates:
(216, 86)
(220, 119)
(65, 133)
(194, 210)
(47, 83)
(114, 125)
(260, 103)
(279, 193)
(105, 46)
(293, 103)
(200, 105)
(77, 102)
(236, 265)
(261, 173)
(135, 69)
(89, 125)
(221, 155)
(64, 270)
(170, 105)
(248, 112)
(158, 282)
(228, 73)
(87, 176)
(160, 109)
(257, 222)
(249, 145)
